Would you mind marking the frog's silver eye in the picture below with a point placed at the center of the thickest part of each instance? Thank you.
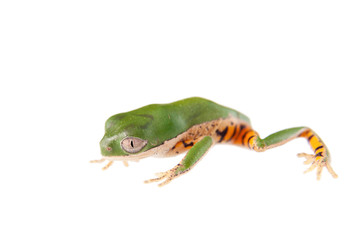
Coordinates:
(133, 144)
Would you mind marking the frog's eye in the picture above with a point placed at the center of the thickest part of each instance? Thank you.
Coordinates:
(133, 144)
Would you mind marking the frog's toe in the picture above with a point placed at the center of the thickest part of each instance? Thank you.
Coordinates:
(314, 165)
(309, 158)
(160, 176)
(97, 161)
(318, 162)
(166, 176)
(107, 165)
(330, 169)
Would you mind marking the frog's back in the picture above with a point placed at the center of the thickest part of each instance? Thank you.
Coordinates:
(198, 110)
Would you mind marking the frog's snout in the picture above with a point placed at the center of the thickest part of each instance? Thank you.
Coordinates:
(105, 147)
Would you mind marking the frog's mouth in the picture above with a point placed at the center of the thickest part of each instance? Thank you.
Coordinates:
(155, 152)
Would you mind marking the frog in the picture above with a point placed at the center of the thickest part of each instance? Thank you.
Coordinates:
(193, 126)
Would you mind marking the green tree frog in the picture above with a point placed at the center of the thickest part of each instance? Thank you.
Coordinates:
(194, 125)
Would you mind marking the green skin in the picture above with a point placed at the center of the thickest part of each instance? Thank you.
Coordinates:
(156, 124)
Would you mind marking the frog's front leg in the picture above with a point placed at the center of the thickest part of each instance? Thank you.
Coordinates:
(191, 158)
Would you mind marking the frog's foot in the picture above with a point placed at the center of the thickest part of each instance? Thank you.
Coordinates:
(168, 176)
(318, 162)
(109, 163)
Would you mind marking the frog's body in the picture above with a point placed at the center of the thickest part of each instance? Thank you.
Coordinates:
(193, 125)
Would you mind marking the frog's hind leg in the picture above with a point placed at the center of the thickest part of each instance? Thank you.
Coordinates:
(319, 160)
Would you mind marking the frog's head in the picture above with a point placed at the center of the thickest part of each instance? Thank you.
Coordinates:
(126, 135)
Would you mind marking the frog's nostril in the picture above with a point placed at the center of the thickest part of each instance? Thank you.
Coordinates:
(108, 148)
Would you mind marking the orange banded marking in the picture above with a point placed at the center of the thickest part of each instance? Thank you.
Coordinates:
(183, 145)
(249, 138)
(230, 133)
(245, 137)
(227, 134)
(315, 142)
(222, 133)
(318, 148)
(235, 131)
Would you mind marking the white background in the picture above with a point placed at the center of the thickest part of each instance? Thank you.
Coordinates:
(66, 66)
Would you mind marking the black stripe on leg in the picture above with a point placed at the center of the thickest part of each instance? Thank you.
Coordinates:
(221, 133)
(243, 137)
(248, 141)
(309, 138)
(318, 148)
(242, 126)
(232, 136)
(320, 154)
(187, 144)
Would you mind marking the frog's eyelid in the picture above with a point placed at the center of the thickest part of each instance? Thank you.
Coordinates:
(133, 144)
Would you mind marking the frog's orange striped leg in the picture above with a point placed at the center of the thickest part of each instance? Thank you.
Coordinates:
(247, 137)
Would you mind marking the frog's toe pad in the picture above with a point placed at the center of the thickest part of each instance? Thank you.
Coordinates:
(317, 162)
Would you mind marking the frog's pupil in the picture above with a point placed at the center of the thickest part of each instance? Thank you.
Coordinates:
(132, 144)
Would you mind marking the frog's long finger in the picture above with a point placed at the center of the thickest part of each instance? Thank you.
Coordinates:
(319, 170)
(156, 179)
(108, 165)
(168, 180)
(331, 171)
(160, 174)
(312, 167)
(309, 158)
(98, 161)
